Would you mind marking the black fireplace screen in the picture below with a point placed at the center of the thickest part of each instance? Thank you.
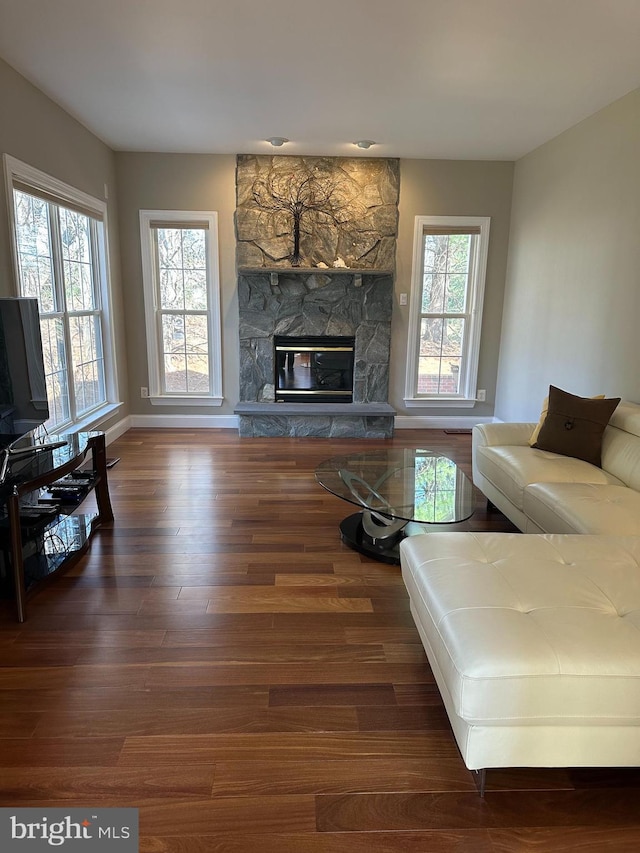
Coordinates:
(314, 369)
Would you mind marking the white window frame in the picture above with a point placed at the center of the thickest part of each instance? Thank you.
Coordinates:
(471, 346)
(16, 171)
(152, 310)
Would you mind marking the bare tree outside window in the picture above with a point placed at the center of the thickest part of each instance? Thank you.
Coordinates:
(57, 264)
(183, 303)
(444, 295)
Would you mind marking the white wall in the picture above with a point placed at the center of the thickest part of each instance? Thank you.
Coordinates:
(572, 302)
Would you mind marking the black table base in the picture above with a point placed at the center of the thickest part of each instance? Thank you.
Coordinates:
(353, 535)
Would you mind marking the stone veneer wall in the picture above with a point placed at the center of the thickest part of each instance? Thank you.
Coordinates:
(315, 304)
(317, 301)
(359, 225)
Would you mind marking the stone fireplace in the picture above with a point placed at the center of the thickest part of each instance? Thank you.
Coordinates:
(350, 221)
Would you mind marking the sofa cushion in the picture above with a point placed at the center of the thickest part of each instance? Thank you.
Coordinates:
(627, 417)
(621, 445)
(574, 425)
(512, 468)
(531, 629)
(583, 508)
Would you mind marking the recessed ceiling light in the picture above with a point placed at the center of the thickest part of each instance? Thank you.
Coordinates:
(364, 143)
(277, 141)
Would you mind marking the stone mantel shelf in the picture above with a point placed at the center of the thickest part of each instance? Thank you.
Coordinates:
(276, 272)
(317, 409)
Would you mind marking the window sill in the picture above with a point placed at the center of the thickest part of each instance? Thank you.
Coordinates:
(441, 402)
(186, 401)
(93, 419)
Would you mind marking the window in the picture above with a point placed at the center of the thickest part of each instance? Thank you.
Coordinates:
(182, 306)
(450, 258)
(59, 237)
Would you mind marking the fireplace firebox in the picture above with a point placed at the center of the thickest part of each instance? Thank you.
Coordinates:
(314, 368)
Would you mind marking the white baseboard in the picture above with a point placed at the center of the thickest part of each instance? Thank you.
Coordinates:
(407, 422)
(117, 430)
(185, 421)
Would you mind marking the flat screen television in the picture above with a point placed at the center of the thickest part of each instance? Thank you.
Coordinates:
(23, 387)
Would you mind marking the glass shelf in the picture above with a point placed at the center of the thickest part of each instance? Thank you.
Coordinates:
(63, 537)
(40, 530)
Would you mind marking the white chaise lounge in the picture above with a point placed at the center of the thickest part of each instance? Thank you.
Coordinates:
(534, 642)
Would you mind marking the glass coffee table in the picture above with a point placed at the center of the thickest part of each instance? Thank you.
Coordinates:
(401, 491)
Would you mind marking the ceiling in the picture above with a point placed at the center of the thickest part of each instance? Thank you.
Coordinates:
(454, 79)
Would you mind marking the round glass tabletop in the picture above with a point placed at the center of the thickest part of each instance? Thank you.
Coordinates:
(404, 483)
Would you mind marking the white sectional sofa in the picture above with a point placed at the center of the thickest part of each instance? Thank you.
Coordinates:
(534, 640)
(542, 492)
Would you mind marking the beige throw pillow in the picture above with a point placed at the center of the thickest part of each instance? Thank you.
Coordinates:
(543, 415)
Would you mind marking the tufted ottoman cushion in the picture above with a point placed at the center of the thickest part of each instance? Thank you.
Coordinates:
(532, 635)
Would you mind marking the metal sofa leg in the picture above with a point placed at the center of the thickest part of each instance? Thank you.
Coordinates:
(480, 779)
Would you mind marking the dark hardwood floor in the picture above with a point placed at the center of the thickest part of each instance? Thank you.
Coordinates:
(222, 661)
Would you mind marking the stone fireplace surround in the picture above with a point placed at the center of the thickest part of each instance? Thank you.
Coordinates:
(315, 304)
(276, 298)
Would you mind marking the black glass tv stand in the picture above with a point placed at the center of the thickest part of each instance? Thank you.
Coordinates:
(11, 452)
(43, 529)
